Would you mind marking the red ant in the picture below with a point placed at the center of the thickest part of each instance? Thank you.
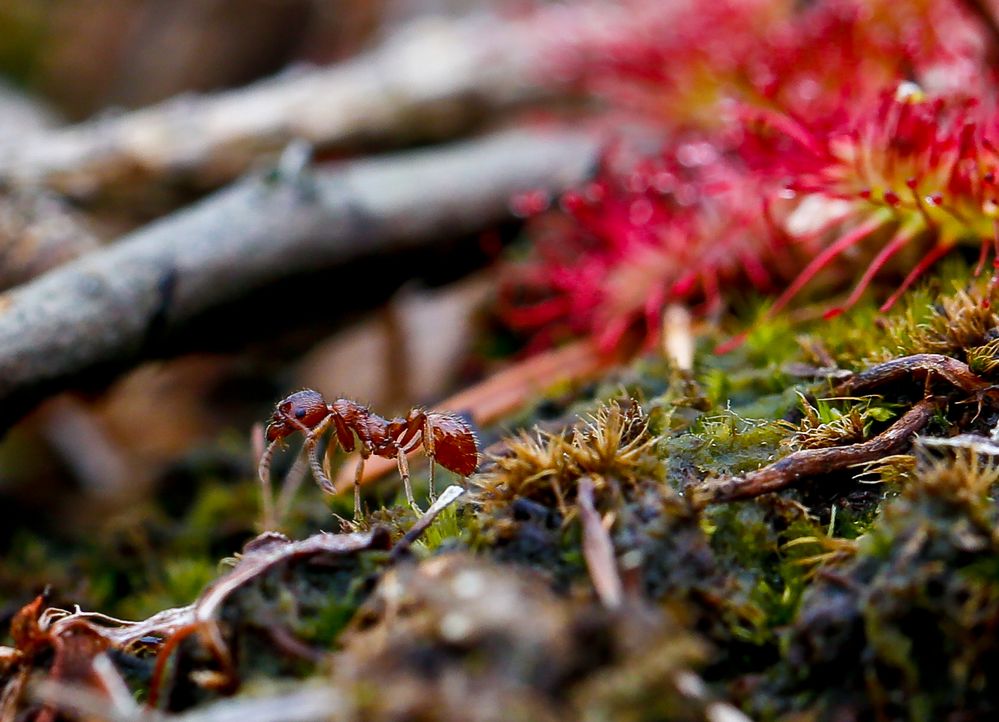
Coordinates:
(446, 438)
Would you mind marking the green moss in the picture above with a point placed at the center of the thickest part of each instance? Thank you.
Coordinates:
(829, 598)
(446, 530)
(324, 605)
(921, 322)
(179, 582)
(903, 621)
(721, 445)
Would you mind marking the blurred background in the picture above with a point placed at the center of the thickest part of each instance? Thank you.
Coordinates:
(85, 57)
(122, 496)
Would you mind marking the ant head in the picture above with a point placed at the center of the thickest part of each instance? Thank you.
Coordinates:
(301, 411)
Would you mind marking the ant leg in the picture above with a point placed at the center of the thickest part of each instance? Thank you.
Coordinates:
(358, 475)
(312, 444)
(404, 473)
(312, 448)
(428, 449)
(266, 491)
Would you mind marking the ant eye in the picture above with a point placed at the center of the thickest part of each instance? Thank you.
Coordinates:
(299, 413)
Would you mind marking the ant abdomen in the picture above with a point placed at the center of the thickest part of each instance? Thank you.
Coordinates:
(453, 442)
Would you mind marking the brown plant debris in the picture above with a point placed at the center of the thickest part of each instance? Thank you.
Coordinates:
(598, 549)
(922, 368)
(815, 462)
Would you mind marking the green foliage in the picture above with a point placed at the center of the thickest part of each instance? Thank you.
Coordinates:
(446, 529)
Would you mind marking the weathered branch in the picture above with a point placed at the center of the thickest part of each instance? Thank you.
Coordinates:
(114, 306)
(919, 368)
(816, 462)
(38, 231)
(427, 82)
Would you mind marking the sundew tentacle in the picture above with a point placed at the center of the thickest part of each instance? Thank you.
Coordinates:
(983, 256)
(896, 244)
(855, 236)
(935, 254)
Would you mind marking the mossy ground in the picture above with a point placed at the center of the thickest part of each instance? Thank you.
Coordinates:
(869, 593)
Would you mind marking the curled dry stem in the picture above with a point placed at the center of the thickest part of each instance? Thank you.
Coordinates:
(923, 367)
(816, 462)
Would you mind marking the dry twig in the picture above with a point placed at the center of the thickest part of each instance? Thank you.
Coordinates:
(816, 462)
(598, 549)
(21, 114)
(116, 305)
(922, 368)
(38, 232)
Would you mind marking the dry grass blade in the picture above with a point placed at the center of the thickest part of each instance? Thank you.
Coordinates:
(598, 550)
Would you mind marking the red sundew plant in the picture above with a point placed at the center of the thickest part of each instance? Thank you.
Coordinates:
(925, 168)
(680, 62)
(812, 141)
(673, 61)
(678, 227)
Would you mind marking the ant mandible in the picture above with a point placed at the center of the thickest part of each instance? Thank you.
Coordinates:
(446, 438)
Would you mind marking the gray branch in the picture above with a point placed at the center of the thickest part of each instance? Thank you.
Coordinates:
(20, 114)
(102, 308)
(426, 82)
